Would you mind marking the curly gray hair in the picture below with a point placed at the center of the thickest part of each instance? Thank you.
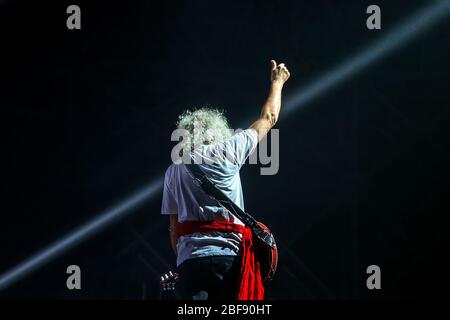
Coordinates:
(203, 126)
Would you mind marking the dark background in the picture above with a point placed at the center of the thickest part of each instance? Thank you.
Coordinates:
(87, 117)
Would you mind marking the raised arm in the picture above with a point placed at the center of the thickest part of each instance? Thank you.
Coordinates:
(272, 106)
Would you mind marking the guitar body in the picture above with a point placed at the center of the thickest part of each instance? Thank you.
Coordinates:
(266, 255)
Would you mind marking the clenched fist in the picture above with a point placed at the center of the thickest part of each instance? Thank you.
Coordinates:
(279, 72)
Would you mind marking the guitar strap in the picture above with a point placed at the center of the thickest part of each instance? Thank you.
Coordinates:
(215, 193)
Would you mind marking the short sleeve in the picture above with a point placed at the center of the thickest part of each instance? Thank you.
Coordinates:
(240, 146)
(169, 204)
(228, 156)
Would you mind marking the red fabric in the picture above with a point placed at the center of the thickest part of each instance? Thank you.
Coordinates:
(250, 282)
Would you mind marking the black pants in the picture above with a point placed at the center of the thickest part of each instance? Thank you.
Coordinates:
(209, 278)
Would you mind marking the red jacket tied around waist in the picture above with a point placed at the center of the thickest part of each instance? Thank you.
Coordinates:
(250, 283)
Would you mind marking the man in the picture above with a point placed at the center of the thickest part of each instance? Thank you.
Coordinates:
(209, 262)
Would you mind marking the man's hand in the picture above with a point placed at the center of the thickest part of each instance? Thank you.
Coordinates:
(279, 73)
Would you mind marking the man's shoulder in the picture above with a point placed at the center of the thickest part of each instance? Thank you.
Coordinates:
(171, 169)
(247, 137)
(249, 133)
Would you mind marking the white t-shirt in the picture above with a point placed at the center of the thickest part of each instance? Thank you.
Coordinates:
(221, 163)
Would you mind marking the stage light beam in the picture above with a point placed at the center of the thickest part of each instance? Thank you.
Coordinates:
(399, 36)
(80, 234)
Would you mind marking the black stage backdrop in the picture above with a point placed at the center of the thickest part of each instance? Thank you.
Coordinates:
(87, 116)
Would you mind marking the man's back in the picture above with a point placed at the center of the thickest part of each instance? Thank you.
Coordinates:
(221, 163)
